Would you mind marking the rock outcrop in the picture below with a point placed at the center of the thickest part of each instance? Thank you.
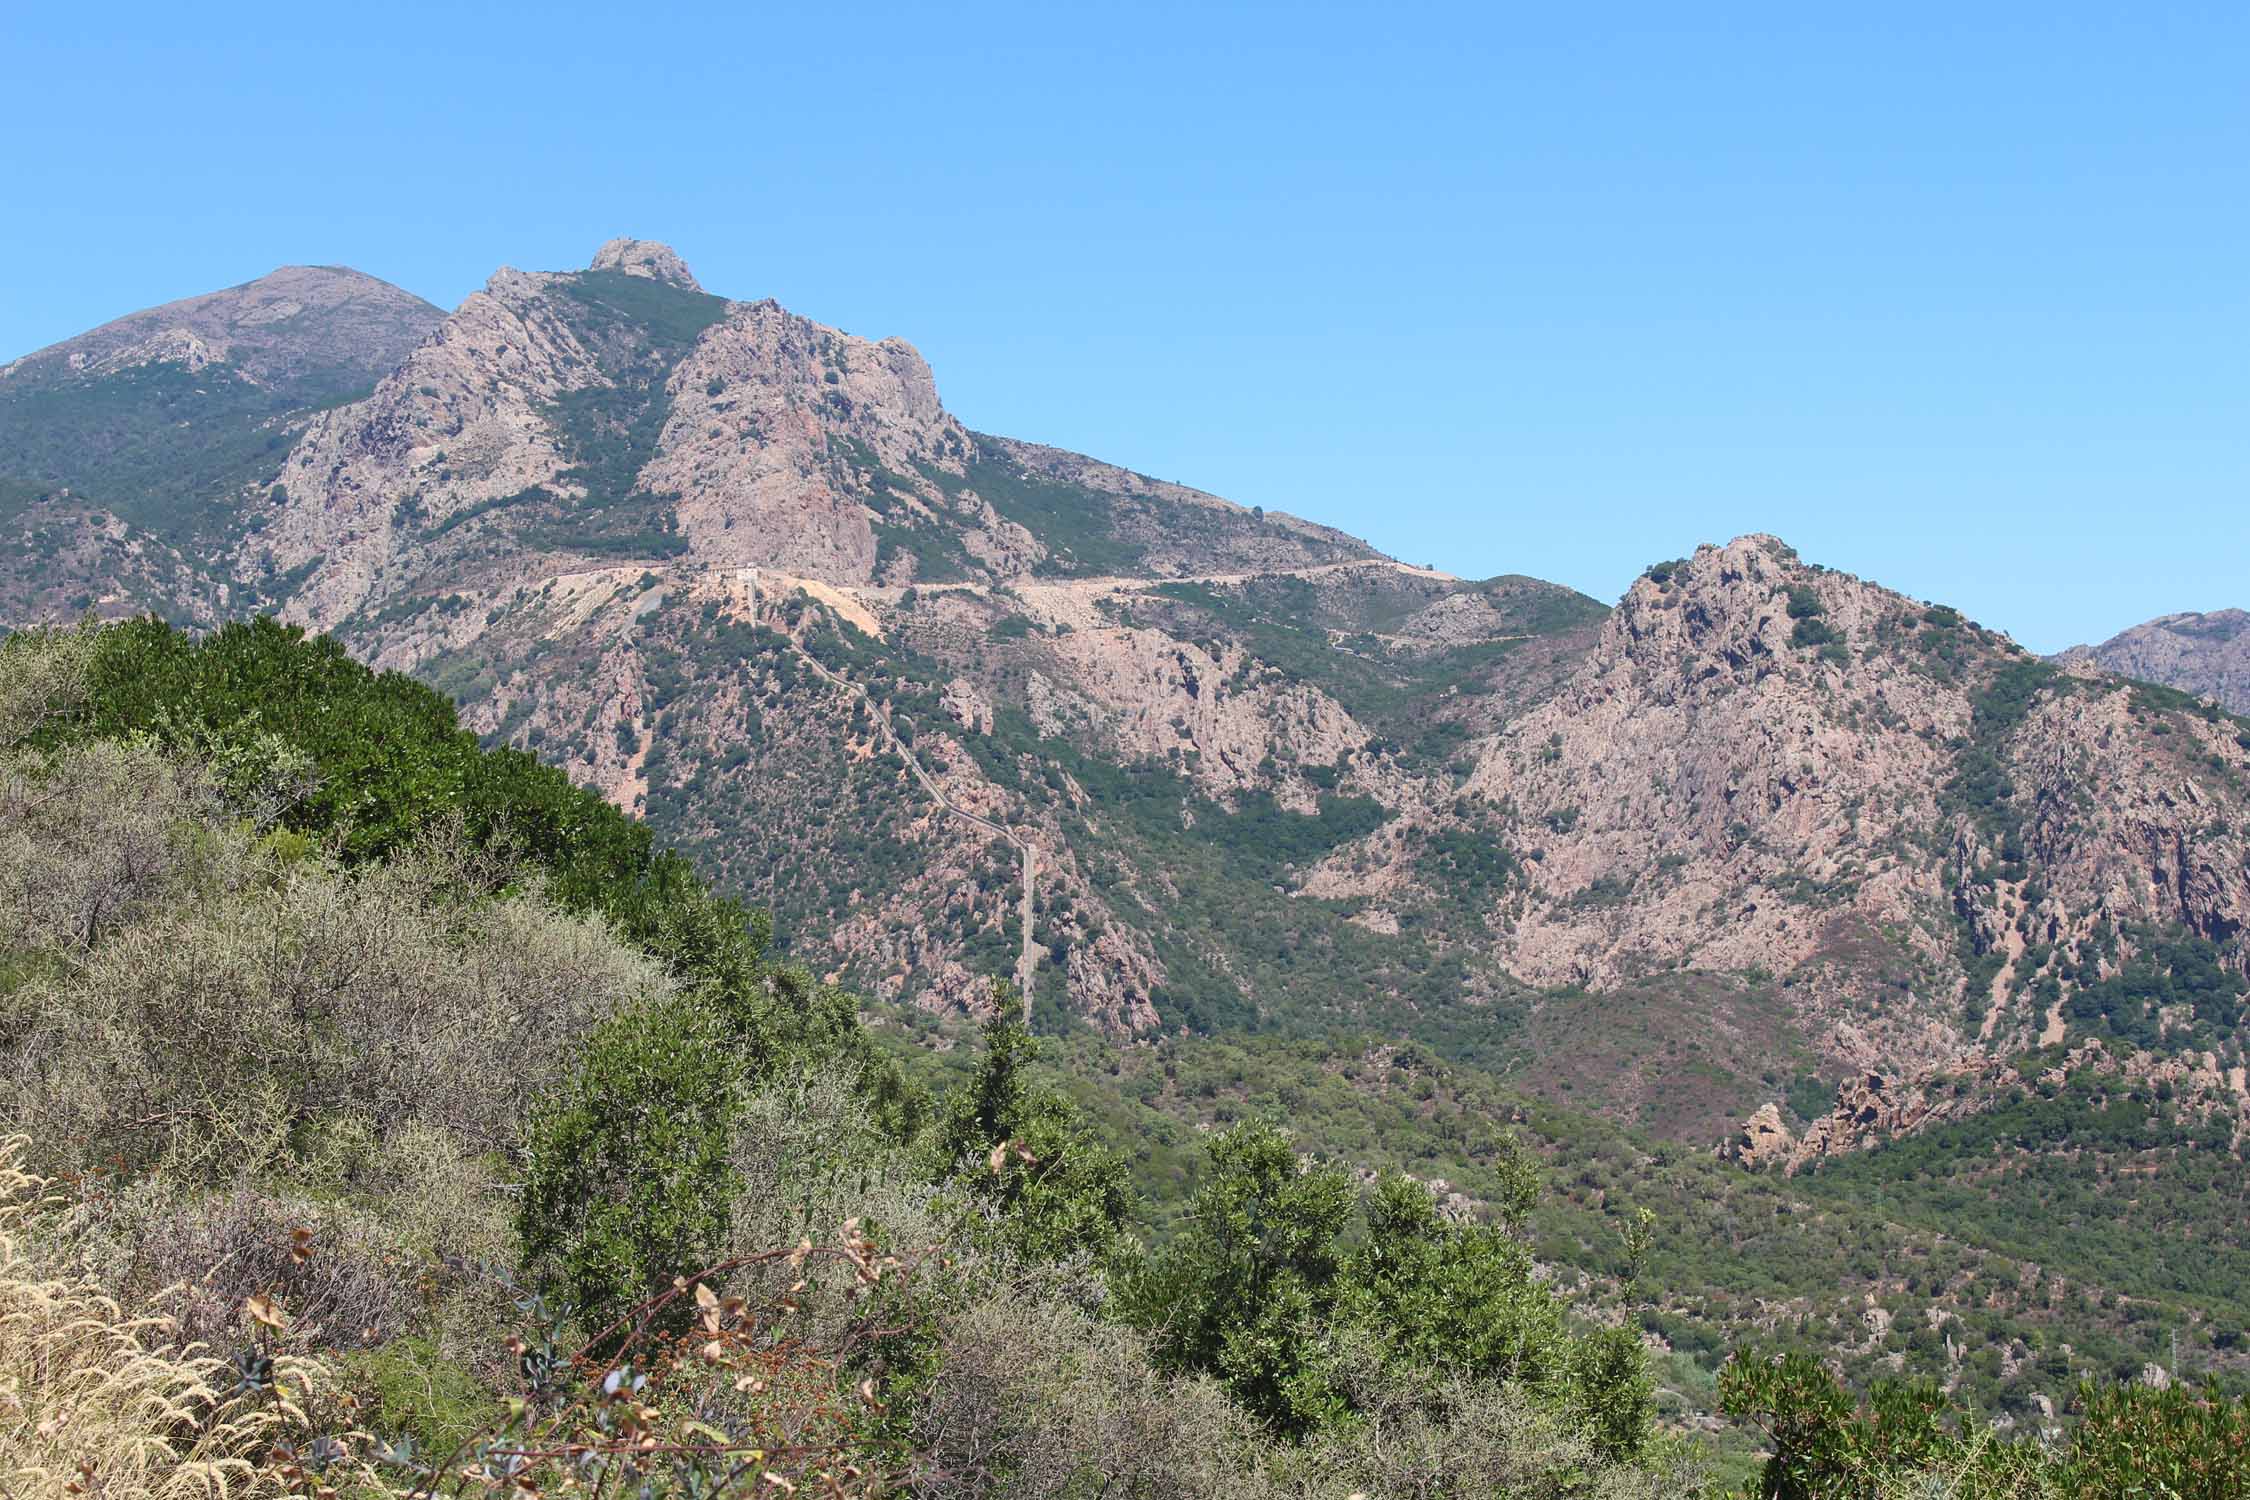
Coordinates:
(1778, 770)
(737, 433)
(1763, 1141)
(658, 262)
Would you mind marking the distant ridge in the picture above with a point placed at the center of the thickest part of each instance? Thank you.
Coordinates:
(310, 331)
(2205, 654)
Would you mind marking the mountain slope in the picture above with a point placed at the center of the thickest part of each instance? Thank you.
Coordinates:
(128, 454)
(615, 515)
(1960, 931)
(583, 417)
(2204, 654)
(312, 332)
(1765, 823)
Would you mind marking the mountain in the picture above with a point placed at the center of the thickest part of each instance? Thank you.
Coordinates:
(1766, 855)
(2204, 654)
(127, 453)
(313, 332)
(744, 573)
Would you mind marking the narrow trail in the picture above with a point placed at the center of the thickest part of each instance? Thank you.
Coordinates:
(1028, 959)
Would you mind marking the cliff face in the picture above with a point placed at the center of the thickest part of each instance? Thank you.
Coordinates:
(2207, 655)
(622, 412)
(1931, 839)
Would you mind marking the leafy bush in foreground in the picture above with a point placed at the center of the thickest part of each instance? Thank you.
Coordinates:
(1263, 1293)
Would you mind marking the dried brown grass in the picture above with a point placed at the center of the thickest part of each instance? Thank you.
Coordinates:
(99, 1401)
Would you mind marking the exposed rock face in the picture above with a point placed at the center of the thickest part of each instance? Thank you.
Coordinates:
(1770, 768)
(1699, 766)
(747, 447)
(645, 258)
(772, 441)
(1763, 1140)
(2204, 654)
(1873, 1108)
(462, 422)
(326, 329)
(1160, 697)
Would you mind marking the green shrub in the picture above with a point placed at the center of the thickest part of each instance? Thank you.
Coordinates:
(407, 1389)
(629, 1182)
(1019, 1151)
(2126, 1441)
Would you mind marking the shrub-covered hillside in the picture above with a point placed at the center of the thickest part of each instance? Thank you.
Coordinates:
(387, 1116)
(388, 1113)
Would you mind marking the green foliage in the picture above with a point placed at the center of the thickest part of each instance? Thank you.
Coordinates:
(1814, 633)
(2167, 968)
(617, 306)
(2039, 1177)
(1810, 1097)
(1439, 1292)
(2178, 1442)
(2127, 1441)
(380, 977)
(161, 447)
(1279, 621)
(639, 330)
(1980, 786)
(1245, 1293)
(628, 1183)
(1265, 1290)
(1019, 1151)
(389, 762)
(1077, 525)
(408, 1388)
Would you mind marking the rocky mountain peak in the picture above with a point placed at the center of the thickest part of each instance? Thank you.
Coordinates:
(651, 258)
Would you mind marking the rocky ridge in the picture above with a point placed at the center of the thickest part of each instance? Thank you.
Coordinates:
(773, 442)
(2204, 654)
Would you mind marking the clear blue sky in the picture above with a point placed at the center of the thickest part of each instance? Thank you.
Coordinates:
(1953, 296)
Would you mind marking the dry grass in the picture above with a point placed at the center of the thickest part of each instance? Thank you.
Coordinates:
(96, 1401)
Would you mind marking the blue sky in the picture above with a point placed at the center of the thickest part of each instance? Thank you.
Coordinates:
(1955, 297)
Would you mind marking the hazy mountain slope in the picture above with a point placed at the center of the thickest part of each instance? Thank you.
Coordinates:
(128, 454)
(2204, 654)
(311, 332)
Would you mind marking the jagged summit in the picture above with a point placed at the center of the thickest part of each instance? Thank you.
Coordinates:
(651, 258)
(732, 434)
